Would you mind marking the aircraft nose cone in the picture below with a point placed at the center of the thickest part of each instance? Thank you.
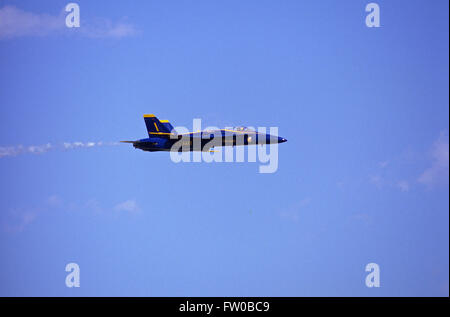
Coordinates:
(281, 140)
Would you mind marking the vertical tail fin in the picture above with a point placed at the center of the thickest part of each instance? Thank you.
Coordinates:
(154, 126)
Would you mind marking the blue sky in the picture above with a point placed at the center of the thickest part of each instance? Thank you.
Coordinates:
(363, 177)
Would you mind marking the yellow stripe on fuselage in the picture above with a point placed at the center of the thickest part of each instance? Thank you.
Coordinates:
(163, 133)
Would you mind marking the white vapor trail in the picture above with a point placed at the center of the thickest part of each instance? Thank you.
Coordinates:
(39, 149)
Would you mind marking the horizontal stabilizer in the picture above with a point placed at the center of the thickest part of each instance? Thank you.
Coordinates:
(167, 125)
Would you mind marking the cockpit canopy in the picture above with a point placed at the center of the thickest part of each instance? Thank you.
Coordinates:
(241, 128)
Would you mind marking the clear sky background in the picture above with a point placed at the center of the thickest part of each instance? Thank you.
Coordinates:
(363, 177)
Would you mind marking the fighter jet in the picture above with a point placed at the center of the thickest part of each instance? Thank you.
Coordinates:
(163, 137)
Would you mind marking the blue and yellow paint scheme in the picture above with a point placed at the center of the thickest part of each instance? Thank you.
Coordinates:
(163, 137)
